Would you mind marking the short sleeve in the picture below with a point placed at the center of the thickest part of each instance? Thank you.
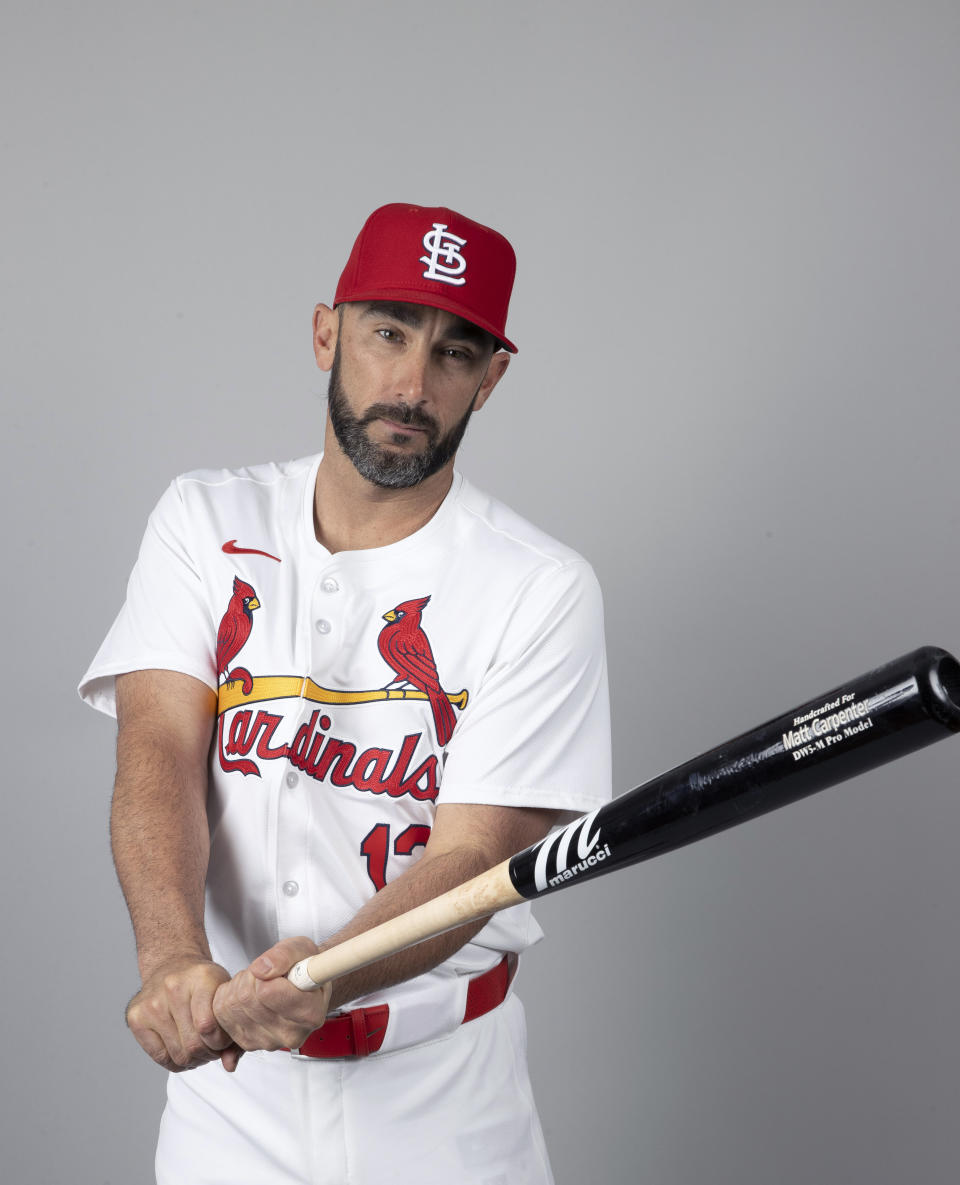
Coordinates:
(165, 622)
(537, 731)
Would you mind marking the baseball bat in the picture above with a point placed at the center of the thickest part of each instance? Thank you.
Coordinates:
(888, 712)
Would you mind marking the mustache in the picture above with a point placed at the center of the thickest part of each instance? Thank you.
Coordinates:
(400, 413)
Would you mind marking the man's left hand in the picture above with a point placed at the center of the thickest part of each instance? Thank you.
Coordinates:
(261, 1009)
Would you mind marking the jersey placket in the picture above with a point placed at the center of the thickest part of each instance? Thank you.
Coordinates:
(293, 891)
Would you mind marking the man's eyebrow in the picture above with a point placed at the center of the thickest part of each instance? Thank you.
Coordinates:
(466, 331)
(406, 314)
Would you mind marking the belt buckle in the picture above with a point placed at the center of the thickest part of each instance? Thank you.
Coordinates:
(349, 1034)
(312, 1057)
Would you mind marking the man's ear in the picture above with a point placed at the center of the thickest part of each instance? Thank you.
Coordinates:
(495, 372)
(326, 326)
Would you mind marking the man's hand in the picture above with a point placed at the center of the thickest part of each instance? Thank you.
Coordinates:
(261, 1009)
(172, 1015)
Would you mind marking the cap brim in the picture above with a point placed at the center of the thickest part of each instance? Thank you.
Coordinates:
(432, 300)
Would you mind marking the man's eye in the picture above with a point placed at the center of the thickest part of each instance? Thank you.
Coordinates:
(389, 335)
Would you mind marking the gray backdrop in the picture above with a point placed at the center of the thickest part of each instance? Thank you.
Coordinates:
(737, 394)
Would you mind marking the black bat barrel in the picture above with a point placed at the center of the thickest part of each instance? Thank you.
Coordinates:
(885, 714)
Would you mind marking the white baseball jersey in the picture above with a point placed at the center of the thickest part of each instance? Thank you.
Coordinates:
(357, 691)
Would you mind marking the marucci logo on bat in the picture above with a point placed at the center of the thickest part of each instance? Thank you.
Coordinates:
(575, 869)
(567, 853)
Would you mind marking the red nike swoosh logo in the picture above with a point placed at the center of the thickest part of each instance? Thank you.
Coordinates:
(230, 547)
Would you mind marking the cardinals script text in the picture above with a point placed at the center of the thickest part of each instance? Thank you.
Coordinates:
(324, 757)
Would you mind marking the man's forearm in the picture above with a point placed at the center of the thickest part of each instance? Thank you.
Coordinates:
(466, 841)
(161, 845)
(425, 880)
(160, 842)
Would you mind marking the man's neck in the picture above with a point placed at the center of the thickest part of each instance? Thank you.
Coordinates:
(352, 514)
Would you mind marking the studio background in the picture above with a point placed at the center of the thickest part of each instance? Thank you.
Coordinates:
(736, 394)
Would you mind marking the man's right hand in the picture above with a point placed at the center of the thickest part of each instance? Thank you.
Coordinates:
(172, 1014)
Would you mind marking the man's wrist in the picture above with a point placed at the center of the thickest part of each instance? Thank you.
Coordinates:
(152, 961)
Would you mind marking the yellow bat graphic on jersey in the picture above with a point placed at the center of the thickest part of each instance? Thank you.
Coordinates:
(266, 687)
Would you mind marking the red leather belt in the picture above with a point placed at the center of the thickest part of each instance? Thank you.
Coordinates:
(360, 1032)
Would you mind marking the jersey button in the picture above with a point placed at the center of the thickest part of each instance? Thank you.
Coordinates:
(292, 779)
(329, 585)
(323, 626)
(290, 888)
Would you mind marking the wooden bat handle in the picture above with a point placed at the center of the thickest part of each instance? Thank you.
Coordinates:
(485, 894)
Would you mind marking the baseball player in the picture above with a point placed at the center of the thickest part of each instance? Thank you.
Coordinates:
(345, 684)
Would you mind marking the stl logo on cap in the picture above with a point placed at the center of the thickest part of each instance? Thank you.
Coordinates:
(442, 242)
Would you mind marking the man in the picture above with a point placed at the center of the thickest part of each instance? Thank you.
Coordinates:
(344, 685)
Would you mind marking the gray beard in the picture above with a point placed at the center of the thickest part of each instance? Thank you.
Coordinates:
(381, 466)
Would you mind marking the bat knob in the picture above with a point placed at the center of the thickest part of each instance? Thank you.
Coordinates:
(301, 978)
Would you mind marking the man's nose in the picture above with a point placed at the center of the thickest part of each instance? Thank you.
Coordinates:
(410, 377)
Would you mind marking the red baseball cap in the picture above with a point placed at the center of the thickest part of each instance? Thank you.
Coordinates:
(434, 256)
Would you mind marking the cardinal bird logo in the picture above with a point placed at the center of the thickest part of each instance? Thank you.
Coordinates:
(404, 647)
(235, 627)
